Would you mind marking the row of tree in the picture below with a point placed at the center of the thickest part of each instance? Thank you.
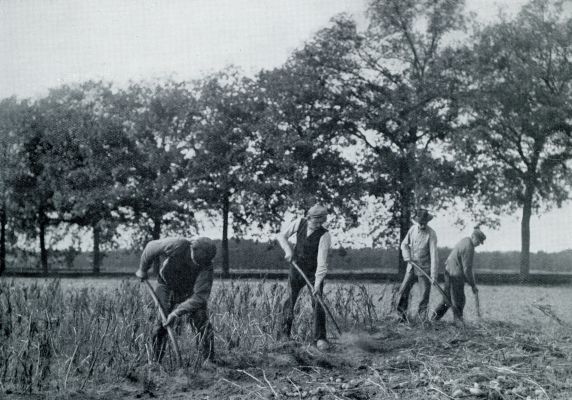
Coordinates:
(417, 109)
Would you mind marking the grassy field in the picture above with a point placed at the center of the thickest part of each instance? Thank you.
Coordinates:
(89, 338)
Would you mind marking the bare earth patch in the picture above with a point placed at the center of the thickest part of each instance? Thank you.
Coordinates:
(488, 360)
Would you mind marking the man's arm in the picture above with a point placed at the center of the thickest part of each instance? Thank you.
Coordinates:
(152, 251)
(322, 268)
(433, 251)
(282, 238)
(467, 260)
(405, 248)
(155, 249)
(200, 296)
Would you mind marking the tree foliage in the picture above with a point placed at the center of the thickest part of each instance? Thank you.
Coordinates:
(400, 102)
(12, 114)
(519, 104)
(396, 116)
(90, 152)
(225, 170)
(35, 177)
(304, 132)
(157, 193)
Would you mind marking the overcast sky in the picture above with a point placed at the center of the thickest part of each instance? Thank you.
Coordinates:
(44, 43)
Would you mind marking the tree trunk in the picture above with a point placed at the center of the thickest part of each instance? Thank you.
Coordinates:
(525, 234)
(96, 252)
(3, 223)
(43, 250)
(404, 225)
(156, 234)
(225, 213)
(405, 199)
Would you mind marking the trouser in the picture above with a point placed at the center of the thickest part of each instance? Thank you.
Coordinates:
(199, 321)
(405, 289)
(295, 284)
(455, 289)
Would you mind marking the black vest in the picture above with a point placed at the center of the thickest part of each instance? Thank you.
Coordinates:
(306, 250)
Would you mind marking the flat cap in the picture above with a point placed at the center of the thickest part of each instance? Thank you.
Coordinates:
(204, 248)
(479, 234)
(317, 210)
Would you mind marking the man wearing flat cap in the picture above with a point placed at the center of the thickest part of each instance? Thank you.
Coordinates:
(313, 242)
(458, 270)
(419, 246)
(183, 286)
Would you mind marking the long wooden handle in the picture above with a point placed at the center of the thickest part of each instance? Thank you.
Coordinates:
(434, 282)
(317, 296)
(164, 319)
(477, 304)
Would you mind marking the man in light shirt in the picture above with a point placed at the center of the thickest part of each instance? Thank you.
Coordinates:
(313, 242)
(458, 270)
(419, 246)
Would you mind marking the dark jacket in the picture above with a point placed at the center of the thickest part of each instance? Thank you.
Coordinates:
(189, 281)
(460, 261)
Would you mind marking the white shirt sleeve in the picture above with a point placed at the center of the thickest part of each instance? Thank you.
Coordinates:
(405, 247)
(283, 236)
(434, 253)
(291, 228)
(323, 250)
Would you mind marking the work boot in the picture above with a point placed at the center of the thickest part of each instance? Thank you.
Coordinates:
(322, 345)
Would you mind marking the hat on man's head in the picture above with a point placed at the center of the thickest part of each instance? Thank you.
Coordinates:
(479, 234)
(204, 249)
(422, 216)
(318, 210)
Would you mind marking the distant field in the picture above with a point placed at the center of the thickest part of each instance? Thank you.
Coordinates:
(248, 254)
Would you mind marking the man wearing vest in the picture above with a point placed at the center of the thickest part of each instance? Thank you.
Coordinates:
(458, 270)
(313, 242)
(419, 246)
(184, 285)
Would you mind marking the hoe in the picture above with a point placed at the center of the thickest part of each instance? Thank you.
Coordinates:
(164, 319)
(434, 282)
(317, 297)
